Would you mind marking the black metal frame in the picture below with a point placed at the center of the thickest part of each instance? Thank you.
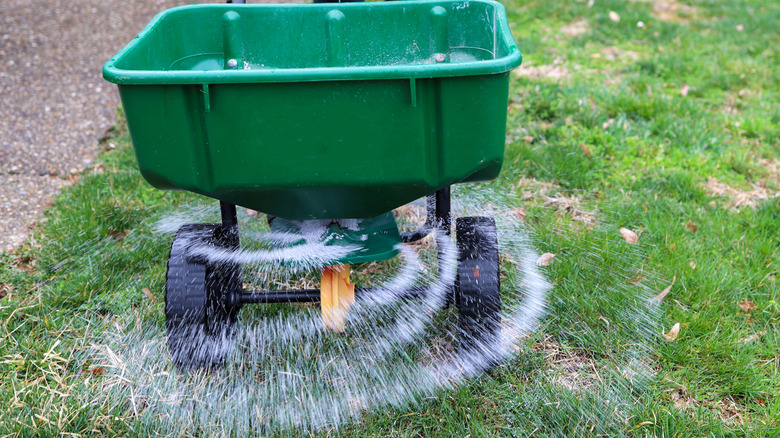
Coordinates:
(308, 295)
(439, 216)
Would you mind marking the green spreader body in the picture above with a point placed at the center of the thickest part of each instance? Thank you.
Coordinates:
(318, 111)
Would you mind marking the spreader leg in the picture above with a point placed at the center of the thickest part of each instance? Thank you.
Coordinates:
(438, 216)
(337, 295)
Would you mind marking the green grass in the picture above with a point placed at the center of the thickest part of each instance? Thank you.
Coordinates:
(617, 136)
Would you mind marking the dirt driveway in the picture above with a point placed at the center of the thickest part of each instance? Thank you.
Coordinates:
(55, 104)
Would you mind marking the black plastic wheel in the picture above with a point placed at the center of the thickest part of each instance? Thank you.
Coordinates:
(478, 291)
(199, 315)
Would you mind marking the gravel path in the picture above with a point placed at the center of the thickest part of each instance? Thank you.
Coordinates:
(55, 103)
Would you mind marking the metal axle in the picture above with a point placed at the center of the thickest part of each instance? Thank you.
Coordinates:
(307, 295)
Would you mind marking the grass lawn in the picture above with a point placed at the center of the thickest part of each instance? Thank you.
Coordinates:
(661, 117)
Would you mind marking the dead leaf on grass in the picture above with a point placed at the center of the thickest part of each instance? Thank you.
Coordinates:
(117, 235)
(614, 16)
(97, 371)
(585, 149)
(673, 332)
(665, 292)
(747, 306)
(629, 236)
(753, 337)
(684, 90)
(690, 226)
(692, 264)
(545, 259)
(520, 214)
(149, 294)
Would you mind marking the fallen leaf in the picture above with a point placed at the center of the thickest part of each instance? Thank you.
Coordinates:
(614, 16)
(754, 337)
(684, 90)
(629, 236)
(690, 226)
(545, 259)
(740, 28)
(645, 423)
(637, 279)
(747, 306)
(149, 294)
(692, 264)
(528, 139)
(118, 235)
(585, 149)
(665, 292)
(520, 214)
(671, 335)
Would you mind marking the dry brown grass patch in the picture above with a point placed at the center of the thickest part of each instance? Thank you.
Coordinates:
(5, 290)
(612, 53)
(556, 70)
(737, 199)
(576, 28)
(570, 206)
(570, 369)
(673, 11)
(531, 188)
(728, 409)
